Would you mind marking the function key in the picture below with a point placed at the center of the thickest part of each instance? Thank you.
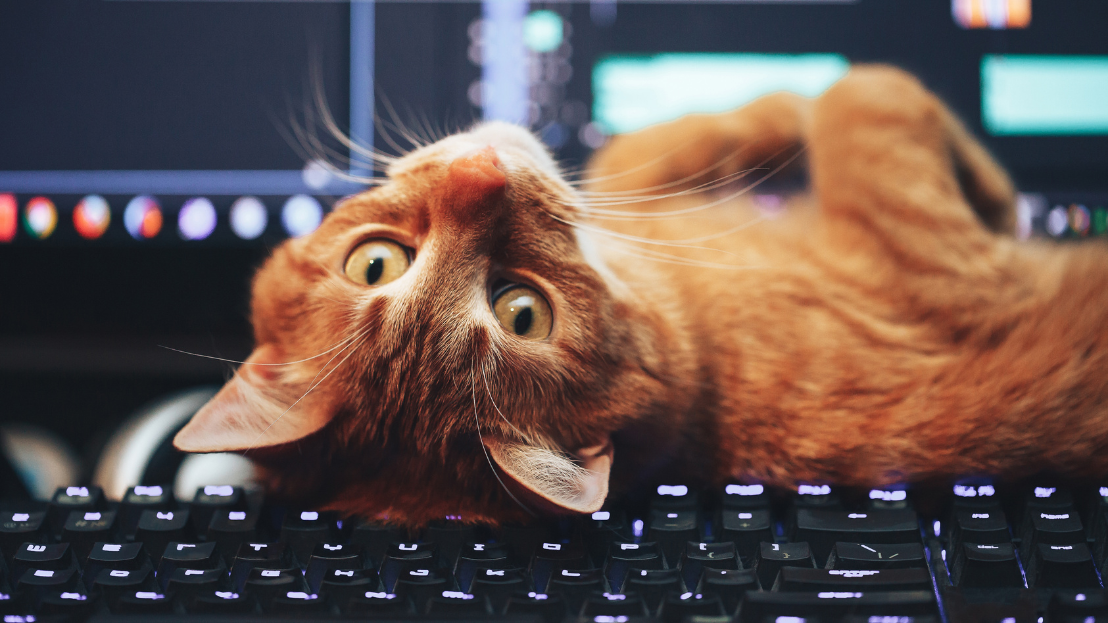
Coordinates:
(823, 528)
(210, 498)
(745, 496)
(888, 499)
(18, 527)
(83, 529)
(747, 528)
(69, 499)
(1062, 566)
(986, 566)
(678, 497)
(970, 496)
(863, 556)
(140, 498)
(156, 529)
(772, 557)
(816, 496)
(303, 530)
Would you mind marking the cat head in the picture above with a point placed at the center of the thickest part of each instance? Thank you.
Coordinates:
(447, 343)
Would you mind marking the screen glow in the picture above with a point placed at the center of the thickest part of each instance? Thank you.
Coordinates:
(1044, 95)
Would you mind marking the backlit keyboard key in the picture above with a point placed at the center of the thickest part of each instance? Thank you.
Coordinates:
(603, 528)
(259, 555)
(156, 529)
(1052, 527)
(823, 528)
(84, 528)
(420, 585)
(143, 602)
(985, 566)
(456, 603)
(229, 529)
(576, 586)
(36, 583)
(674, 497)
(988, 526)
(114, 583)
(341, 585)
(699, 556)
(551, 558)
(211, 498)
(730, 585)
(832, 605)
(1062, 566)
(379, 604)
(327, 557)
(69, 499)
(402, 557)
(140, 498)
(221, 602)
(737, 496)
(29, 556)
(126, 556)
(301, 531)
(376, 538)
(266, 584)
(653, 585)
(671, 530)
(189, 556)
(185, 584)
(800, 579)
(772, 557)
(816, 496)
(500, 584)
(676, 607)
(622, 557)
(747, 528)
(550, 607)
(451, 536)
(876, 556)
(19, 527)
(614, 605)
(297, 604)
(476, 557)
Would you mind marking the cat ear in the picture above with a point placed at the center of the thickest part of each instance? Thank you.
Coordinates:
(263, 405)
(552, 476)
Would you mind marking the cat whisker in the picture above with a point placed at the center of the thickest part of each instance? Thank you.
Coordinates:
(481, 438)
(329, 124)
(671, 184)
(634, 169)
(668, 258)
(254, 363)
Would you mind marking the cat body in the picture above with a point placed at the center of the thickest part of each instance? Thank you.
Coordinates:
(885, 327)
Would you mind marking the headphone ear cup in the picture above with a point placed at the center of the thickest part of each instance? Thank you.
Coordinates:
(141, 451)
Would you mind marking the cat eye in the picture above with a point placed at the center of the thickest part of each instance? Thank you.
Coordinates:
(524, 312)
(377, 262)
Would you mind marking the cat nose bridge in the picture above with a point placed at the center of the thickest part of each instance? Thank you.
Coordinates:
(472, 189)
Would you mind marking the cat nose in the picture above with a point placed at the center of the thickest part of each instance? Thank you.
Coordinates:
(473, 182)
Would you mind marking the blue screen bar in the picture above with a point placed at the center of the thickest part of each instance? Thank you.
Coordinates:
(1044, 95)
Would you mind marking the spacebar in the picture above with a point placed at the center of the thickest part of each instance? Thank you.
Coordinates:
(835, 604)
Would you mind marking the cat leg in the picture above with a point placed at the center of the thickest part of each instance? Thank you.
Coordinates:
(884, 150)
(699, 148)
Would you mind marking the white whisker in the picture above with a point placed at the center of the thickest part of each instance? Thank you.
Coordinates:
(481, 438)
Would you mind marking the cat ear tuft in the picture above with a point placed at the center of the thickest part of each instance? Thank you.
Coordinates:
(552, 476)
(263, 405)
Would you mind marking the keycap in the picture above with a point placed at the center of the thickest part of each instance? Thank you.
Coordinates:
(185, 584)
(985, 566)
(614, 605)
(457, 603)
(652, 585)
(35, 583)
(1003, 605)
(156, 529)
(140, 498)
(888, 499)
(221, 602)
(189, 556)
(773, 556)
(831, 605)
(601, 529)
(1051, 527)
(970, 496)
(327, 557)
(575, 586)
(55, 556)
(266, 584)
(816, 496)
(451, 536)
(341, 585)
(822, 528)
(143, 602)
(421, 585)
(550, 607)
(711, 555)
(676, 606)
(730, 585)
(800, 579)
(1062, 566)
(211, 498)
(1077, 604)
(229, 529)
(986, 526)
(69, 499)
(19, 527)
(259, 555)
(378, 604)
(744, 497)
(402, 557)
(301, 531)
(84, 528)
(66, 605)
(297, 603)
(125, 556)
(522, 540)
(115, 583)
(864, 556)
(551, 558)
(671, 530)
(747, 528)
(674, 497)
(375, 538)
(622, 557)
(475, 557)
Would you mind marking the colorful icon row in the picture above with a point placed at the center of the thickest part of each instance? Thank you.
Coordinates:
(142, 217)
(1077, 220)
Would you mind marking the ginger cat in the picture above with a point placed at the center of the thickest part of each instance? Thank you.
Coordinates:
(478, 337)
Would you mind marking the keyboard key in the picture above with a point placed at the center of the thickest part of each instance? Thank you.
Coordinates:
(1062, 566)
(125, 556)
(451, 536)
(985, 526)
(523, 540)
(189, 556)
(1077, 604)
(420, 585)
(328, 557)
(550, 607)
(614, 605)
(476, 557)
(375, 538)
(674, 497)
(69, 499)
(699, 556)
(747, 528)
(140, 498)
(341, 585)
(888, 500)
(603, 528)
(29, 556)
(156, 529)
(622, 557)
(551, 558)
(36, 583)
(143, 602)
(301, 531)
(816, 496)
(575, 586)
(185, 584)
(865, 556)
(66, 605)
(298, 603)
(19, 527)
(671, 530)
(376, 604)
(456, 603)
(676, 606)
(772, 557)
(832, 605)
(402, 557)
(822, 528)
(652, 585)
(1051, 527)
(221, 602)
(259, 555)
(266, 584)
(84, 528)
(499, 584)
(730, 585)
(744, 497)
(799, 579)
(229, 529)
(985, 566)
(115, 583)
(211, 498)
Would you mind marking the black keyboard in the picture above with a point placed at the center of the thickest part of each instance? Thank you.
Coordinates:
(1024, 554)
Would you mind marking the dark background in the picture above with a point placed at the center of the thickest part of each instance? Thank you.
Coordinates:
(103, 85)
